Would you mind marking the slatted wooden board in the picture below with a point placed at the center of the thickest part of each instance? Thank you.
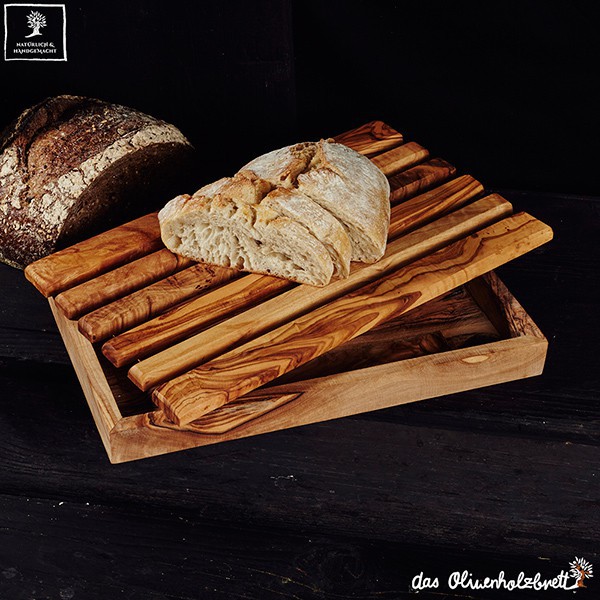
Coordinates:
(172, 354)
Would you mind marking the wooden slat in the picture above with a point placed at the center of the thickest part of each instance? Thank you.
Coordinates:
(400, 158)
(238, 412)
(370, 138)
(423, 208)
(153, 300)
(228, 377)
(419, 179)
(180, 322)
(280, 310)
(157, 334)
(119, 282)
(92, 257)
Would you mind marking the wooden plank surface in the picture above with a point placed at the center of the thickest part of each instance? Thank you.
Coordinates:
(371, 138)
(169, 328)
(273, 313)
(400, 158)
(180, 322)
(119, 282)
(419, 178)
(148, 302)
(94, 256)
(207, 387)
(422, 209)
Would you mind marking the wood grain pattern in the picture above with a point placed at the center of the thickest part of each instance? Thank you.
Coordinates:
(154, 335)
(144, 304)
(201, 312)
(119, 282)
(400, 158)
(343, 395)
(363, 352)
(92, 257)
(420, 178)
(232, 415)
(454, 315)
(370, 138)
(427, 206)
(507, 315)
(223, 379)
(275, 312)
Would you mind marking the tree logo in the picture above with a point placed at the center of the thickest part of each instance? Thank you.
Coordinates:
(35, 20)
(581, 569)
(35, 32)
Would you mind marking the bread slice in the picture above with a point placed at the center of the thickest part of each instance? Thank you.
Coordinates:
(231, 228)
(302, 212)
(294, 205)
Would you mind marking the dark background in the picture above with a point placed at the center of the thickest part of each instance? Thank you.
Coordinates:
(508, 91)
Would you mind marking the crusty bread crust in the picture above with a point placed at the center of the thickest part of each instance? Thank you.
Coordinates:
(56, 153)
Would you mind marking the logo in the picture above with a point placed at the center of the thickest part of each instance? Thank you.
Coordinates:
(35, 21)
(35, 32)
(580, 571)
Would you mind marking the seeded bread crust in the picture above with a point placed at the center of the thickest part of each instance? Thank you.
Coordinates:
(70, 161)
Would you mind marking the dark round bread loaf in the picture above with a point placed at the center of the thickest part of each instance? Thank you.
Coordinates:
(71, 165)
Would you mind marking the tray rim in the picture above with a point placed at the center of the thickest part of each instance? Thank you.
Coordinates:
(521, 353)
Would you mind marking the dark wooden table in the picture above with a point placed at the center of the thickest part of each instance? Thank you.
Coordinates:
(502, 478)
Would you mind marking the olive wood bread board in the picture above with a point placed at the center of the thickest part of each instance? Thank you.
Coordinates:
(224, 354)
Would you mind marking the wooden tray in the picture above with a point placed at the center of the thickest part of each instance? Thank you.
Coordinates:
(222, 335)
